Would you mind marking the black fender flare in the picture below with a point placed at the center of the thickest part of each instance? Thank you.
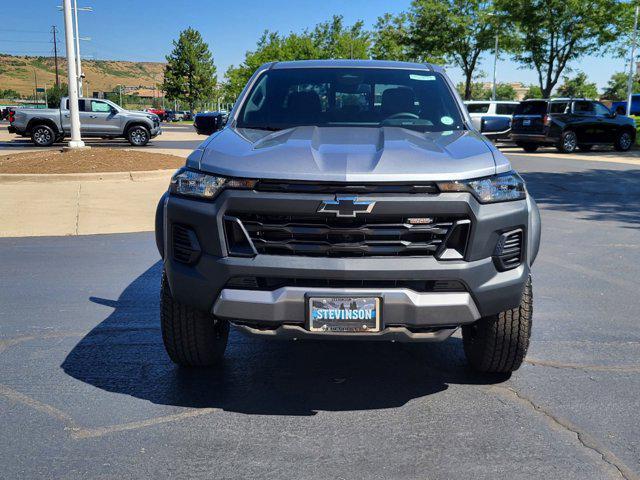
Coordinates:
(42, 121)
(159, 223)
(135, 123)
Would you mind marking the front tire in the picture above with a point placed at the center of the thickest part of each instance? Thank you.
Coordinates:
(624, 141)
(43, 136)
(499, 343)
(191, 337)
(138, 136)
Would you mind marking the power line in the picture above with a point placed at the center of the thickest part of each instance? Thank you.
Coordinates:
(55, 53)
(22, 41)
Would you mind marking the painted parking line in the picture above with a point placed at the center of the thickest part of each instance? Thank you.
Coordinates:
(630, 160)
(77, 431)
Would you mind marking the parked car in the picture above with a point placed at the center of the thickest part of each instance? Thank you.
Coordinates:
(570, 124)
(162, 115)
(177, 116)
(350, 200)
(4, 111)
(206, 123)
(492, 117)
(98, 118)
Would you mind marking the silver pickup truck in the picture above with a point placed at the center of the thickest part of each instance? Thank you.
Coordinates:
(98, 118)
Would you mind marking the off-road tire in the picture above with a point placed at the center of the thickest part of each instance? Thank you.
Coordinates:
(499, 343)
(623, 142)
(138, 135)
(568, 142)
(528, 147)
(43, 136)
(191, 337)
(585, 148)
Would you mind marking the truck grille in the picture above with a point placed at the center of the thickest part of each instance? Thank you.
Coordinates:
(336, 237)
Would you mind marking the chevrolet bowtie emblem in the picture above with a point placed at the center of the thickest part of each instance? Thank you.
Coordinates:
(346, 206)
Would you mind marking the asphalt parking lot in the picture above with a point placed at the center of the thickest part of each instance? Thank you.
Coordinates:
(86, 390)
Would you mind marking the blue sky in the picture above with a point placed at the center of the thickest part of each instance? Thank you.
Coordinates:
(142, 30)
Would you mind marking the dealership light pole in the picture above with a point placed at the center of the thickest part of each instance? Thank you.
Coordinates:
(495, 67)
(632, 62)
(76, 141)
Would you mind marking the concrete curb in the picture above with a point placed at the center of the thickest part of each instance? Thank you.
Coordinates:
(8, 178)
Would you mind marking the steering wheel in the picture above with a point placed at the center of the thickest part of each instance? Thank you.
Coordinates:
(402, 115)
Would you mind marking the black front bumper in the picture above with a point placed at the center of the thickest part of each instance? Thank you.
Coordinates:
(201, 283)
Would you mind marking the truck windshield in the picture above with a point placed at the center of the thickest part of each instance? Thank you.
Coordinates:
(366, 97)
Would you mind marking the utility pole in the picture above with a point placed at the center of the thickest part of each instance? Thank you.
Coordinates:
(55, 53)
(35, 88)
(76, 141)
(79, 67)
(632, 63)
(495, 66)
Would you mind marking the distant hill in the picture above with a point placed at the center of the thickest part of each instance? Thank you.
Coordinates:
(17, 73)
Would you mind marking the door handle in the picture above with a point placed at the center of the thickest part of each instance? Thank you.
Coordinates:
(66, 115)
(93, 116)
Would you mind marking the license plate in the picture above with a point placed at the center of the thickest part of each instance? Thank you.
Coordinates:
(344, 314)
(526, 122)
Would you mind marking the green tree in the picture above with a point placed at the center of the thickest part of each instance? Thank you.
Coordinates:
(534, 92)
(391, 39)
(616, 88)
(457, 31)
(190, 74)
(504, 91)
(552, 33)
(577, 86)
(330, 39)
(9, 93)
(476, 90)
(55, 93)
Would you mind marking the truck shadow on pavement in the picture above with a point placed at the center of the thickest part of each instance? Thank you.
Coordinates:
(601, 194)
(124, 354)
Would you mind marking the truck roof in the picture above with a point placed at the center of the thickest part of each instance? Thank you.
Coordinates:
(352, 64)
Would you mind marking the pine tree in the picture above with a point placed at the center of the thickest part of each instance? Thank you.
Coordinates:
(190, 74)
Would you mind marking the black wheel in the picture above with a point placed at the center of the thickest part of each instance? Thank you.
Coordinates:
(138, 136)
(43, 135)
(191, 337)
(585, 148)
(568, 142)
(529, 147)
(499, 343)
(623, 142)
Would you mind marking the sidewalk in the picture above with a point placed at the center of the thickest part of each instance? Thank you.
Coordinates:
(89, 204)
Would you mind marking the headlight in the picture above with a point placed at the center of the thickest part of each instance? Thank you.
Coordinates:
(498, 188)
(199, 184)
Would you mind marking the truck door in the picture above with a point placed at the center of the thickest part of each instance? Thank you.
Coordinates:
(584, 122)
(607, 127)
(99, 119)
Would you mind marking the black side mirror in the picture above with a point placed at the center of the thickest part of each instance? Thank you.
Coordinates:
(614, 114)
(208, 123)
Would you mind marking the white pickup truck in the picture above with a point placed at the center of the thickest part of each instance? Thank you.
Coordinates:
(98, 118)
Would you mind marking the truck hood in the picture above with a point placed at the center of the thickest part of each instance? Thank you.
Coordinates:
(348, 154)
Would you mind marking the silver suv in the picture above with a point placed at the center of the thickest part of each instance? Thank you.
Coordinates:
(348, 200)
